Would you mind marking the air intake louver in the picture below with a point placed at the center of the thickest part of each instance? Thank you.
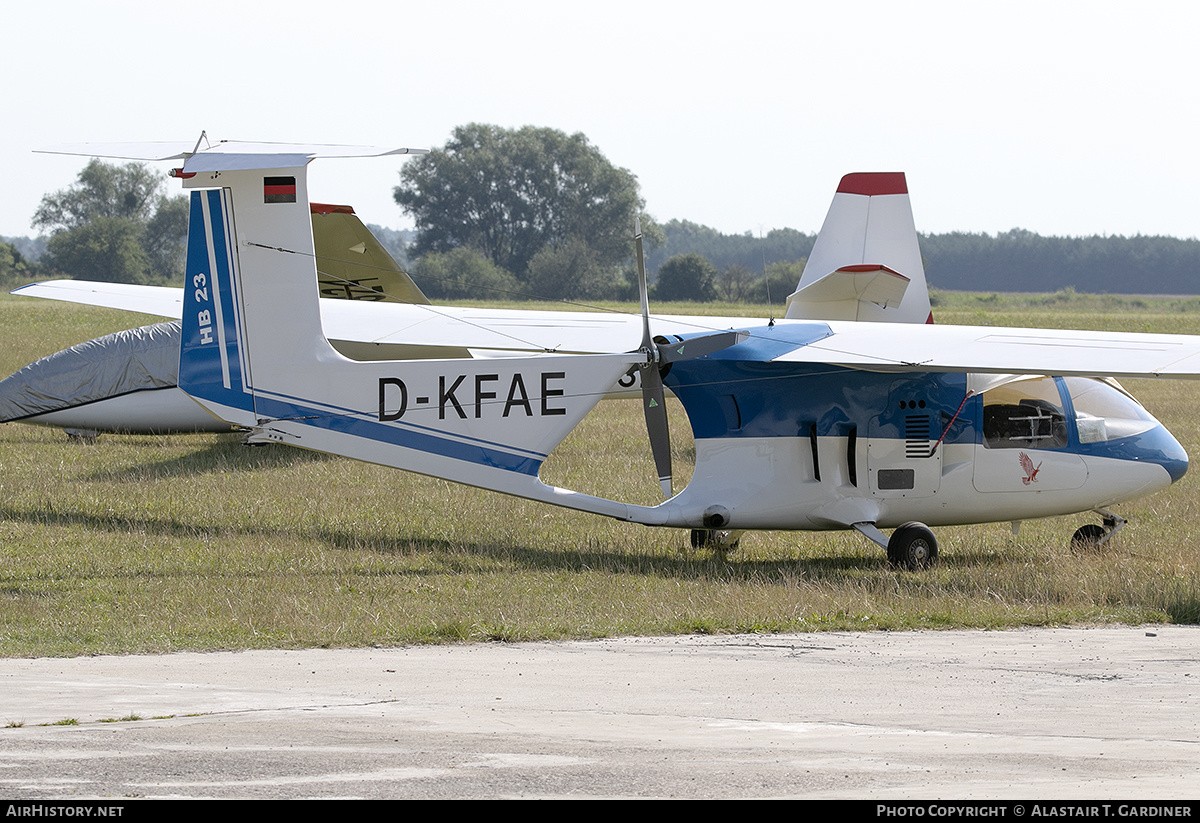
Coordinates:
(916, 435)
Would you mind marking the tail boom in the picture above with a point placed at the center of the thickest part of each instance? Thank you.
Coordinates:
(254, 354)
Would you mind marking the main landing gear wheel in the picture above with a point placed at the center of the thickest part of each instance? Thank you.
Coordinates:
(720, 542)
(912, 546)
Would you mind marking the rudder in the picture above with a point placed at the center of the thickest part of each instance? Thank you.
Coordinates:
(213, 368)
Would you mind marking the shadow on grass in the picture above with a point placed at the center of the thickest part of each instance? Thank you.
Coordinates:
(702, 566)
(226, 454)
(463, 556)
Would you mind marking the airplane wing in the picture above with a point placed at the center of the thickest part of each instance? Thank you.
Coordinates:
(987, 349)
(404, 324)
(163, 301)
(505, 329)
(895, 347)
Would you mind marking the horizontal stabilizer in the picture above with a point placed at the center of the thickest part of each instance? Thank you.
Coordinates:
(837, 295)
(230, 152)
(145, 151)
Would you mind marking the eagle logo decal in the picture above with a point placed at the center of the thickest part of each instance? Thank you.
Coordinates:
(1031, 471)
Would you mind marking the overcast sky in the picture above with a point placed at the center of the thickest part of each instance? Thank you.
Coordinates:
(1074, 118)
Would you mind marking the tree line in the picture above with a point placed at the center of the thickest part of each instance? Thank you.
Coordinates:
(1022, 261)
(1014, 261)
(535, 213)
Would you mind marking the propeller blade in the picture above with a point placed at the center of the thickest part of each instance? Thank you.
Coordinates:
(643, 290)
(653, 406)
(656, 426)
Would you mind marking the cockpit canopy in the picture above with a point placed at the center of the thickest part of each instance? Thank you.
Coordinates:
(1022, 412)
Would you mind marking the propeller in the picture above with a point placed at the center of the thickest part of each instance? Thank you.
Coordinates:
(661, 353)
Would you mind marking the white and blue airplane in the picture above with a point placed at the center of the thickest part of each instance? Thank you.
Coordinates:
(127, 382)
(800, 424)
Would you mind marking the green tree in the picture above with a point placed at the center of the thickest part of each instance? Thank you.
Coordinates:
(734, 282)
(686, 277)
(753, 250)
(115, 224)
(106, 248)
(165, 240)
(14, 269)
(571, 270)
(511, 193)
(462, 274)
(779, 281)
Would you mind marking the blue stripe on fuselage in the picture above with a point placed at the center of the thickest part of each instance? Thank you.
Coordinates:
(360, 424)
(1154, 446)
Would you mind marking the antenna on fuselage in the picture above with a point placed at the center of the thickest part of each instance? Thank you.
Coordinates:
(762, 248)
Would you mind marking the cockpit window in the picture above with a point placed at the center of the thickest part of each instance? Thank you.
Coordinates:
(1024, 414)
(1103, 411)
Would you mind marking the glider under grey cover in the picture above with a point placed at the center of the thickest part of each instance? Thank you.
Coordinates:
(91, 372)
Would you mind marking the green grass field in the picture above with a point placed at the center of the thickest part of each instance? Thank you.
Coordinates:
(154, 544)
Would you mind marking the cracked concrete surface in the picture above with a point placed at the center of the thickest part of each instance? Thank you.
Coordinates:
(1037, 713)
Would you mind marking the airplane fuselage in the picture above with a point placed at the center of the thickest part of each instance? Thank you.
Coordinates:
(785, 445)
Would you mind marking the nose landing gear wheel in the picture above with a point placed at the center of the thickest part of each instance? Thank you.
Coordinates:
(1086, 539)
(1092, 538)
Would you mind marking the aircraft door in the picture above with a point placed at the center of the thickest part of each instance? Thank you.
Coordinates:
(901, 461)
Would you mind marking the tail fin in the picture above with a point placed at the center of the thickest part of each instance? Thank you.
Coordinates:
(865, 264)
(254, 353)
(213, 367)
